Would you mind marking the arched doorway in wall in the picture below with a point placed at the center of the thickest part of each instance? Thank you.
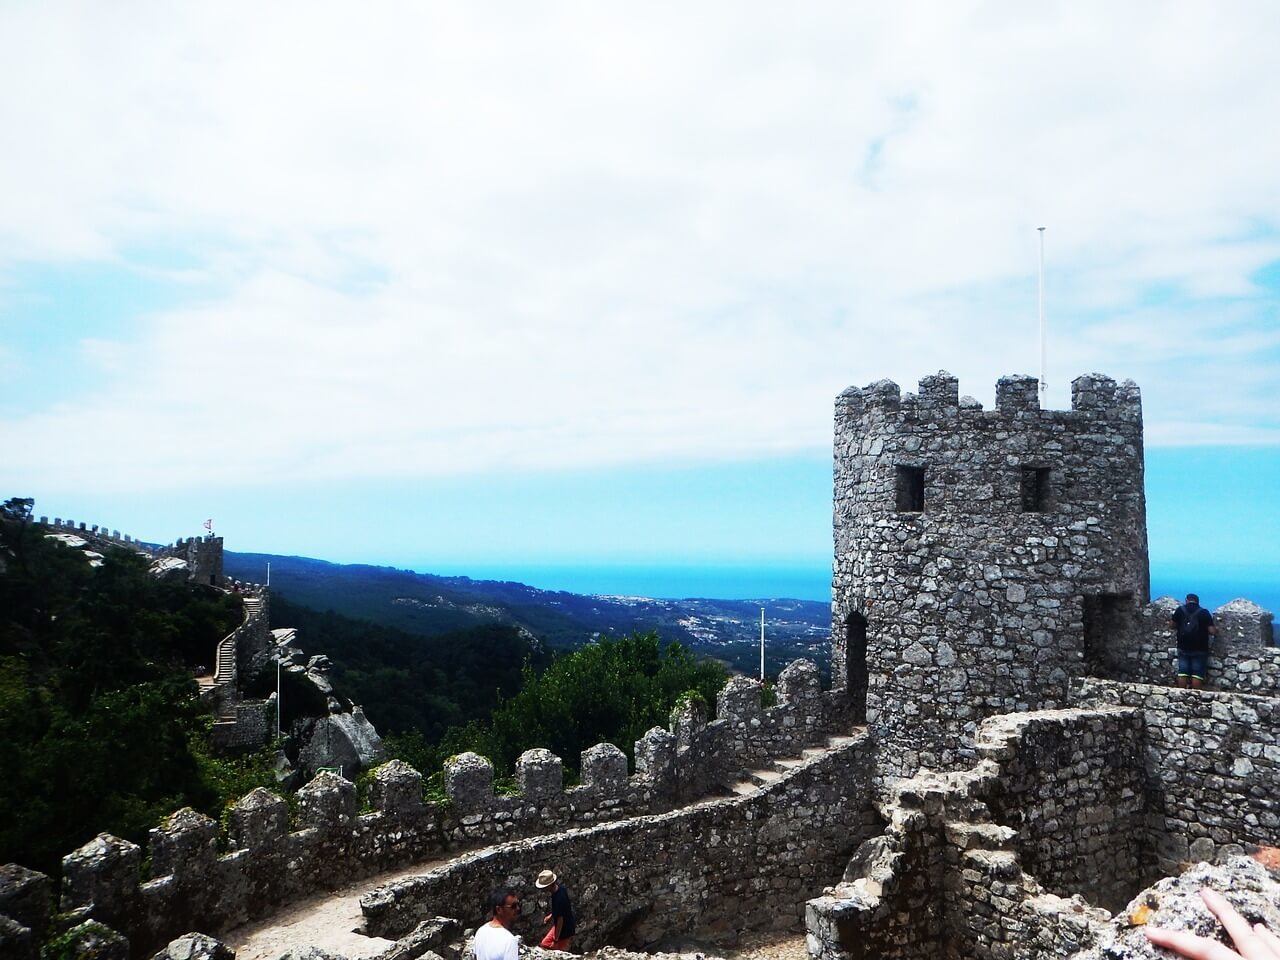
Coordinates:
(855, 661)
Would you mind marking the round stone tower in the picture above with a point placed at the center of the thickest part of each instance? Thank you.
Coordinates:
(980, 555)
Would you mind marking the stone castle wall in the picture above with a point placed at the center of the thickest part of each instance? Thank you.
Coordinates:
(713, 870)
(203, 556)
(950, 878)
(1073, 786)
(972, 604)
(203, 879)
(1067, 814)
(240, 724)
(244, 726)
(1242, 658)
(989, 566)
(95, 532)
(1213, 767)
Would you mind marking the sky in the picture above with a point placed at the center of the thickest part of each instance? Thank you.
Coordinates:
(502, 287)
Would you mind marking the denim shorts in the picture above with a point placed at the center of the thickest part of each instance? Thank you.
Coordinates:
(1193, 665)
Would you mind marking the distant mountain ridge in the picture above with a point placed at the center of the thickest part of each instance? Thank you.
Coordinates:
(429, 605)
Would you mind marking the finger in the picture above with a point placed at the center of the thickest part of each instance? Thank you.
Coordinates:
(1188, 945)
(1269, 938)
(1242, 934)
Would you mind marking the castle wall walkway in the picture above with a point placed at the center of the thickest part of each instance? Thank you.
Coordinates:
(201, 878)
(713, 870)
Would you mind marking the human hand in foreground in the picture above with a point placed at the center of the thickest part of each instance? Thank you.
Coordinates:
(547, 918)
(1252, 942)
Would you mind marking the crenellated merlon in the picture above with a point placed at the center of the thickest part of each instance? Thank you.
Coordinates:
(939, 395)
(99, 532)
(1243, 657)
(269, 860)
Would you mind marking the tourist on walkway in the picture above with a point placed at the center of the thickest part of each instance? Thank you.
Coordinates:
(561, 916)
(494, 940)
(1192, 625)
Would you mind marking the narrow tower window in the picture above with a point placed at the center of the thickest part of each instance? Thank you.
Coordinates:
(910, 489)
(855, 652)
(1035, 489)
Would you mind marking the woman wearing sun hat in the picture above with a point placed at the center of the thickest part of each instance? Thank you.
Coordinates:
(561, 916)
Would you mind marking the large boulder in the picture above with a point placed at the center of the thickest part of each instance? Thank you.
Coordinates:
(1175, 904)
(167, 568)
(346, 740)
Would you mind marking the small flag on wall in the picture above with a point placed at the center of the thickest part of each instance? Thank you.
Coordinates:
(208, 525)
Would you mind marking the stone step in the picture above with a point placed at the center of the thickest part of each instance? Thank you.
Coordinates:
(981, 836)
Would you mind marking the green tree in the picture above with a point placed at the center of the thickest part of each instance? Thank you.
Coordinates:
(98, 708)
(612, 691)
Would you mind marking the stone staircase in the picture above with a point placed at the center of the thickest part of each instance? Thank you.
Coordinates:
(225, 666)
(749, 781)
(224, 670)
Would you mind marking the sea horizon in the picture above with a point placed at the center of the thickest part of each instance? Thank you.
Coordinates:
(722, 581)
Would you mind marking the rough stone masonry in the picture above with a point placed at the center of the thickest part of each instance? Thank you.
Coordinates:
(1025, 769)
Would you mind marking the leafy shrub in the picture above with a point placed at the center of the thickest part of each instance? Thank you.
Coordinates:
(611, 691)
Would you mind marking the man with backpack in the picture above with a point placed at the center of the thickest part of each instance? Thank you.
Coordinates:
(1193, 625)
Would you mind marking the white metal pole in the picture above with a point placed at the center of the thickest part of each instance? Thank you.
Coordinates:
(1043, 382)
(762, 644)
(268, 573)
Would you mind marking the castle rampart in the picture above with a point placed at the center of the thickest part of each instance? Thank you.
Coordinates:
(1067, 814)
(98, 533)
(202, 555)
(1213, 767)
(269, 861)
(977, 551)
(1242, 657)
(711, 870)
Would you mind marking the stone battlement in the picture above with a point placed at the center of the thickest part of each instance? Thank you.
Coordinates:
(1093, 396)
(94, 531)
(645, 878)
(204, 878)
(1017, 777)
(202, 555)
(1242, 657)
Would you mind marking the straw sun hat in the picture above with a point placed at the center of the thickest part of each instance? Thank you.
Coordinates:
(545, 879)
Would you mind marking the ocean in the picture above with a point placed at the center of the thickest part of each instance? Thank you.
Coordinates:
(806, 582)
(663, 581)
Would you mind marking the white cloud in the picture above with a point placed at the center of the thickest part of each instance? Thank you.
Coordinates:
(488, 237)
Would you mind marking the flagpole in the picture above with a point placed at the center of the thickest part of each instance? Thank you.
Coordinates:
(1043, 382)
(762, 644)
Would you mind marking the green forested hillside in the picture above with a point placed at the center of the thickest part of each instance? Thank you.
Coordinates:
(493, 690)
(410, 683)
(430, 605)
(100, 728)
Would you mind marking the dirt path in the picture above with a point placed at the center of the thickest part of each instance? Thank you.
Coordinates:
(329, 919)
(325, 920)
(769, 946)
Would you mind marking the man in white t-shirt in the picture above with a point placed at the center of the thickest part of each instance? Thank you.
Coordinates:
(494, 940)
